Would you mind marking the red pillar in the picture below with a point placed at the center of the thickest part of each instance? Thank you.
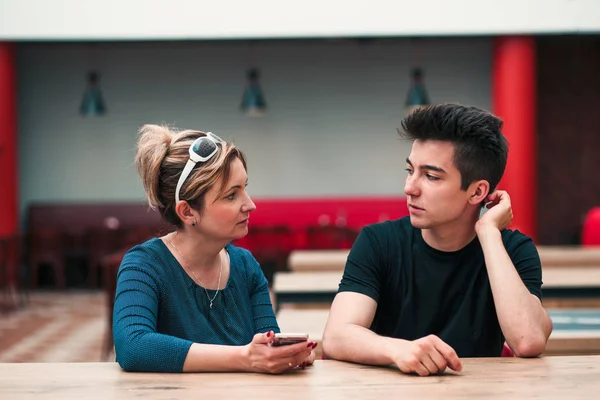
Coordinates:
(514, 100)
(8, 141)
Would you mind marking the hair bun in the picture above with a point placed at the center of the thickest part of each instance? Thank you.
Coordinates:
(154, 142)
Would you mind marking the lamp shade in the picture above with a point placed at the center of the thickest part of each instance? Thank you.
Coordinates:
(253, 100)
(92, 103)
(417, 95)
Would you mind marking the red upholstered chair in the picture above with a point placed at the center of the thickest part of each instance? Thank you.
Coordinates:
(591, 228)
(330, 237)
(507, 351)
(270, 245)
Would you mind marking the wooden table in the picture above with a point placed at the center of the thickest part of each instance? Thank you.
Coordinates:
(321, 286)
(491, 378)
(550, 256)
(317, 260)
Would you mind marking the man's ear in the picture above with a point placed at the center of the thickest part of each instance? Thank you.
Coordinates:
(185, 212)
(479, 190)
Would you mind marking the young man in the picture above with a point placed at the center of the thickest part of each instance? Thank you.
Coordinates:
(421, 291)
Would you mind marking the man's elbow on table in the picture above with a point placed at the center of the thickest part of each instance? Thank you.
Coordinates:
(527, 349)
(530, 346)
(331, 340)
(533, 343)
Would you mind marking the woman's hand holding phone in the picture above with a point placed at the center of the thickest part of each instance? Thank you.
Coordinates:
(262, 355)
(284, 339)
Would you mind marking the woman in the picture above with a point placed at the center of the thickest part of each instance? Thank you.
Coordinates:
(190, 301)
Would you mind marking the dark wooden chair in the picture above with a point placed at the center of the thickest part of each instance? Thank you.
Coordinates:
(11, 285)
(47, 247)
(100, 243)
(110, 265)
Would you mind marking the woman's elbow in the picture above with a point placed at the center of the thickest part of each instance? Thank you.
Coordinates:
(127, 365)
(129, 354)
(127, 358)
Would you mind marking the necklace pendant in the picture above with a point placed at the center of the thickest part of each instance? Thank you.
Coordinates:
(211, 305)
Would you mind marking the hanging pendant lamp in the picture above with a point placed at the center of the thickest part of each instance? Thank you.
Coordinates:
(417, 95)
(253, 100)
(92, 104)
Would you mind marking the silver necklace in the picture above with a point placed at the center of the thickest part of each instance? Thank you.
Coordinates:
(186, 264)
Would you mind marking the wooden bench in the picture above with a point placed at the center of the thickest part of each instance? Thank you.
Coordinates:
(568, 337)
(550, 256)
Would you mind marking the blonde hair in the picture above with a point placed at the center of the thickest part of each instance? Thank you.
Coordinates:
(161, 156)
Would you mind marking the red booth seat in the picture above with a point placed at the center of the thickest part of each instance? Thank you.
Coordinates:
(301, 223)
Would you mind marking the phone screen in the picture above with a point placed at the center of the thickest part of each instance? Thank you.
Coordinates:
(284, 339)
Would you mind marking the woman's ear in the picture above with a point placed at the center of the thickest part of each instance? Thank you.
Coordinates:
(185, 212)
(479, 191)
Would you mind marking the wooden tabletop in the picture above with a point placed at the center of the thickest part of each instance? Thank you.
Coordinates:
(497, 378)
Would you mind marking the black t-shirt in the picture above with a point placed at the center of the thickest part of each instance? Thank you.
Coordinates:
(421, 291)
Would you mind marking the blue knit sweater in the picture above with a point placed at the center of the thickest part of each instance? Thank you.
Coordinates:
(160, 311)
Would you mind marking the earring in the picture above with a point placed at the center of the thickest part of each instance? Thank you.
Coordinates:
(194, 223)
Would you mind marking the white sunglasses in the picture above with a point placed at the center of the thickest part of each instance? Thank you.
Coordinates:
(202, 150)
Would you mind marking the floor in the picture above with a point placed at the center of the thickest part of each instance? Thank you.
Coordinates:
(55, 327)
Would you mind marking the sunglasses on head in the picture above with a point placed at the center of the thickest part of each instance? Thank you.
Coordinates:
(202, 150)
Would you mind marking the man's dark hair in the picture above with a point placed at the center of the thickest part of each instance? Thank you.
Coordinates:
(480, 149)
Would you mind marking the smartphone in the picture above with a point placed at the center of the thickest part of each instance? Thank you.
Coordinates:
(284, 339)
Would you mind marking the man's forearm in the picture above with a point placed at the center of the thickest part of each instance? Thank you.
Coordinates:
(349, 342)
(523, 320)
